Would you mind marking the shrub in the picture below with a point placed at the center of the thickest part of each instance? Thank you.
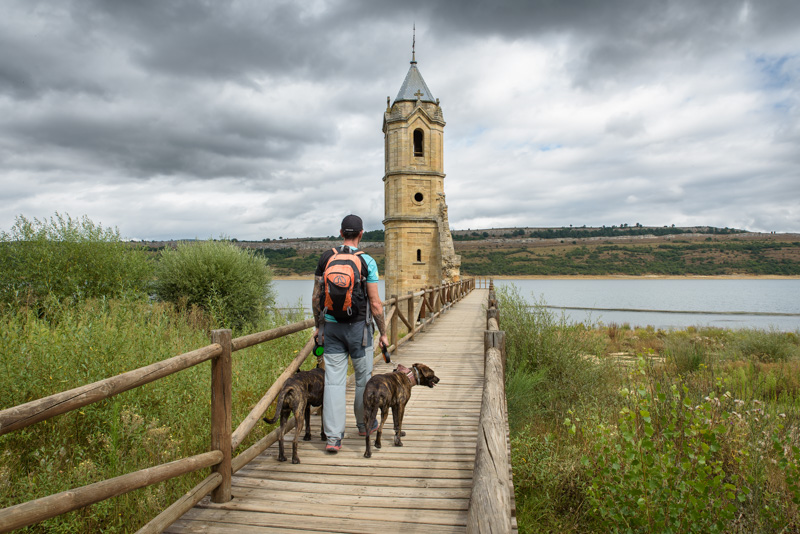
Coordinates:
(230, 283)
(548, 350)
(684, 354)
(66, 258)
(660, 468)
(767, 346)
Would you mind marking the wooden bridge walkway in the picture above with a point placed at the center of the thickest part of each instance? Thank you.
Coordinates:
(423, 486)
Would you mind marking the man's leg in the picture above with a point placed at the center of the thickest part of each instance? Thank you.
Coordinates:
(362, 366)
(363, 371)
(333, 415)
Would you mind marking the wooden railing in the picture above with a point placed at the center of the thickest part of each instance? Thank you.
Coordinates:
(403, 315)
(492, 505)
(435, 300)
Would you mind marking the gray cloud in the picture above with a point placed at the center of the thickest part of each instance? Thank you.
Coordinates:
(258, 119)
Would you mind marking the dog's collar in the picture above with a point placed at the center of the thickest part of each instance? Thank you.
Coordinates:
(412, 374)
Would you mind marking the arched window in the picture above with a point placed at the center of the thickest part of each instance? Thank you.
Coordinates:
(419, 141)
(419, 256)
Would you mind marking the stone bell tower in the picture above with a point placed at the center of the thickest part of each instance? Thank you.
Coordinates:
(418, 244)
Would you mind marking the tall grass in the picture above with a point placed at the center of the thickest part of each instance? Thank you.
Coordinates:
(162, 421)
(699, 434)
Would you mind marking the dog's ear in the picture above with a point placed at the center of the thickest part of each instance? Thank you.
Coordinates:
(424, 369)
(427, 373)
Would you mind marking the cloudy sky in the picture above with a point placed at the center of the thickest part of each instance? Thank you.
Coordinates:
(262, 119)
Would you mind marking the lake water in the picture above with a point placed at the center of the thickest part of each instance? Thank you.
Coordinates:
(662, 303)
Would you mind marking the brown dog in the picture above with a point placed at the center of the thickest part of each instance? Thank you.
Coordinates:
(393, 390)
(298, 394)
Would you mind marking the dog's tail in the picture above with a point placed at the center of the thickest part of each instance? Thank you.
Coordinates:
(278, 406)
(372, 399)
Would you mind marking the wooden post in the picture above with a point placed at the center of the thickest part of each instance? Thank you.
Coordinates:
(221, 421)
(412, 317)
(493, 313)
(393, 324)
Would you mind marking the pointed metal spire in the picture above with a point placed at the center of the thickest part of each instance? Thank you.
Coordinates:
(414, 45)
(414, 87)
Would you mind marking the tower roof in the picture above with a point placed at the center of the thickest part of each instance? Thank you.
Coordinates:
(414, 86)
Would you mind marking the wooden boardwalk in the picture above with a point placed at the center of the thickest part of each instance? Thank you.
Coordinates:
(423, 486)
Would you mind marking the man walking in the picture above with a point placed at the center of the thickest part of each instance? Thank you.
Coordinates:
(343, 316)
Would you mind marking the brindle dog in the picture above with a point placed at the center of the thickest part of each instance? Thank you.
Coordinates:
(298, 394)
(393, 390)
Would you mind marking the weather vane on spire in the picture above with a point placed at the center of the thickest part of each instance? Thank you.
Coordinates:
(414, 44)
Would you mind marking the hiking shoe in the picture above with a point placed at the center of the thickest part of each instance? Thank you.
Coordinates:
(362, 429)
(334, 447)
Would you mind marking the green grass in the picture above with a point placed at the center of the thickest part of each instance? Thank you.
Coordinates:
(697, 432)
(159, 422)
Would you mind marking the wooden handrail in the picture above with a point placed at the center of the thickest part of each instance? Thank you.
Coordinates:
(252, 419)
(491, 505)
(260, 337)
(172, 513)
(31, 512)
(32, 412)
(224, 442)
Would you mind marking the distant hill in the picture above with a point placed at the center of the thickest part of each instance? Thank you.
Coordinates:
(566, 232)
(614, 250)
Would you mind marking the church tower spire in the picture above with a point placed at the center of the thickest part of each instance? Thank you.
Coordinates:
(418, 244)
(414, 45)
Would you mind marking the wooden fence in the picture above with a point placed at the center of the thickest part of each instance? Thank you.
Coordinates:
(492, 505)
(435, 301)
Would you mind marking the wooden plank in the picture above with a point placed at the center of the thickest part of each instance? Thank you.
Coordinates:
(291, 487)
(322, 524)
(416, 472)
(344, 511)
(337, 499)
(359, 479)
(194, 527)
(368, 463)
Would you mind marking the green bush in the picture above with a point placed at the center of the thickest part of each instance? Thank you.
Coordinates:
(546, 350)
(684, 354)
(661, 467)
(65, 258)
(228, 282)
(767, 346)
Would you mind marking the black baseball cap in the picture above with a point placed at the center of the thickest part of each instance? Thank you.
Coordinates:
(352, 223)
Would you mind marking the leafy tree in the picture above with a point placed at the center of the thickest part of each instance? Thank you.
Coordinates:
(373, 235)
(229, 282)
(66, 258)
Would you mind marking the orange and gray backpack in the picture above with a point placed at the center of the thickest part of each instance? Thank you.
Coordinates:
(344, 293)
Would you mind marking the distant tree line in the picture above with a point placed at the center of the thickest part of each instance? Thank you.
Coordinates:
(760, 258)
(604, 231)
